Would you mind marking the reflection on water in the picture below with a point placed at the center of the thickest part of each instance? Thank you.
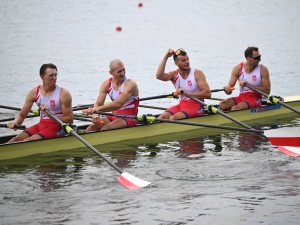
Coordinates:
(235, 172)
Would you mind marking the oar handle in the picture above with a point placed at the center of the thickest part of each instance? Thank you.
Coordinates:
(77, 108)
(217, 90)
(173, 95)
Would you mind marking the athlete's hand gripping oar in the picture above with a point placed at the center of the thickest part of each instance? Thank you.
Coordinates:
(146, 118)
(272, 99)
(127, 180)
(217, 111)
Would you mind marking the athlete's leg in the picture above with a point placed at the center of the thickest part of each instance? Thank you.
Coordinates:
(20, 137)
(179, 115)
(227, 104)
(96, 127)
(118, 123)
(241, 105)
(34, 137)
(165, 115)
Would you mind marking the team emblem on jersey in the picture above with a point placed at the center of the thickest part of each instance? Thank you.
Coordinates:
(52, 103)
(253, 77)
(189, 82)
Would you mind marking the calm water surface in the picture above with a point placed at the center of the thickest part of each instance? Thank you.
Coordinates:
(230, 178)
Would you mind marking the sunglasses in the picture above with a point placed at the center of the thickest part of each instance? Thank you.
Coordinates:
(256, 57)
(180, 51)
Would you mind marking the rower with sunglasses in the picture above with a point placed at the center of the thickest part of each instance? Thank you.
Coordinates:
(187, 79)
(251, 73)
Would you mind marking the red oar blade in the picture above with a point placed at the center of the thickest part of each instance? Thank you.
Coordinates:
(131, 182)
(290, 150)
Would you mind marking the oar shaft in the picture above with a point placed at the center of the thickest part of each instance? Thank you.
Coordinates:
(16, 126)
(154, 119)
(117, 115)
(82, 118)
(9, 119)
(9, 107)
(96, 151)
(208, 125)
(266, 95)
(289, 107)
(217, 99)
(173, 95)
(152, 107)
(221, 89)
(35, 111)
(215, 110)
(77, 108)
(69, 129)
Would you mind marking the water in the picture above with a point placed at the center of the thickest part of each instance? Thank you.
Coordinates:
(224, 179)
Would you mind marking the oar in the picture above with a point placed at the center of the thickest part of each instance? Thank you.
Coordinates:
(152, 107)
(272, 99)
(127, 180)
(217, 90)
(154, 119)
(22, 127)
(80, 107)
(290, 150)
(81, 118)
(34, 111)
(173, 95)
(217, 111)
(9, 119)
(217, 99)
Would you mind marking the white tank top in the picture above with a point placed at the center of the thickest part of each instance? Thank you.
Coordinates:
(252, 78)
(132, 103)
(52, 102)
(189, 84)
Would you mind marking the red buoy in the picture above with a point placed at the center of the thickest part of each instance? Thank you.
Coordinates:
(118, 28)
(140, 4)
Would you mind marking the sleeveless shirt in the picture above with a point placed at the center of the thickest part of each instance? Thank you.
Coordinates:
(189, 84)
(132, 103)
(252, 78)
(52, 102)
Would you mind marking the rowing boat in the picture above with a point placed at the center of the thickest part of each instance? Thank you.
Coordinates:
(151, 133)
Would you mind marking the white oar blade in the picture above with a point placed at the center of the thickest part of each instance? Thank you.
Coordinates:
(286, 136)
(290, 150)
(131, 182)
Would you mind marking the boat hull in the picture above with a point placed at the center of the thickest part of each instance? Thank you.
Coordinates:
(117, 139)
